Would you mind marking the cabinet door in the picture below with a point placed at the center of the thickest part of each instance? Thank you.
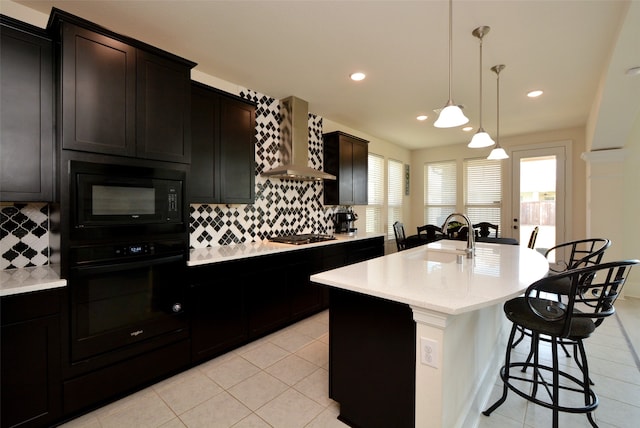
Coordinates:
(360, 165)
(30, 362)
(219, 319)
(237, 151)
(163, 109)
(203, 187)
(346, 172)
(306, 297)
(98, 93)
(268, 302)
(26, 118)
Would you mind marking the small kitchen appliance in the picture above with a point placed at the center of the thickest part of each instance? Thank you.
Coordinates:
(344, 222)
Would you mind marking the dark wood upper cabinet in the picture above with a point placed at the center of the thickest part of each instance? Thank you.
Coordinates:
(163, 109)
(120, 96)
(27, 111)
(223, 147)
(345, 156)
(98, 86)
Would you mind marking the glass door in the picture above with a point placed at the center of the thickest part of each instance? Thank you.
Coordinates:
(539, 188)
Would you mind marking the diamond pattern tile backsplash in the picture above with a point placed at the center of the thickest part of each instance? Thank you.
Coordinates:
(281, 206)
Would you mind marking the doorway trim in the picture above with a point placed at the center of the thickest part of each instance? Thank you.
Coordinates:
(567, 146)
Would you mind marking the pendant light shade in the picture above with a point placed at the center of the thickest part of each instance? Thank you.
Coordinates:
(451, 115)
(481, 138)
(498, 152)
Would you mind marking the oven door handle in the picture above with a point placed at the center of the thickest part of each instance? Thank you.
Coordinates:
(115, 267)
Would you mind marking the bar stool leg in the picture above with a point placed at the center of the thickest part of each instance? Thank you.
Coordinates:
(585, 379)
(504, 374)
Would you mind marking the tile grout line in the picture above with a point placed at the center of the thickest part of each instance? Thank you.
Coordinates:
(634, 354)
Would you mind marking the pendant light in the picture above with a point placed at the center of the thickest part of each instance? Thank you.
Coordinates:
(498, 152)
(451, 115)
(481, 138)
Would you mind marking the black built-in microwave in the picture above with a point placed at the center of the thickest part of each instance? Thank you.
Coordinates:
(121, 200)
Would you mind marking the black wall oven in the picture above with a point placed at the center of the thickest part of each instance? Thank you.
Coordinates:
(126, 294)
(124, 254)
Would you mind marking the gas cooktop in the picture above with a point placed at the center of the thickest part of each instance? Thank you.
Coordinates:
(306, 238)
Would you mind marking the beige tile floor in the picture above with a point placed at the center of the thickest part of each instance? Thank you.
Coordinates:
(282, 381)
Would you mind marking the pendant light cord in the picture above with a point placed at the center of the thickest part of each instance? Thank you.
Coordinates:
(450, 47)
(480, 74)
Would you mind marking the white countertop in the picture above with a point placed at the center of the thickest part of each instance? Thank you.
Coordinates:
(429, 276)
(223, 253)
(25, 280)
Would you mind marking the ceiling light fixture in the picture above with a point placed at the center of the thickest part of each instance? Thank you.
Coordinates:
(498, 152)
(467, 128)
(357, 76)
(534, 94)
(633, 71)
(481, 138)
(422, 117)
(451, 115)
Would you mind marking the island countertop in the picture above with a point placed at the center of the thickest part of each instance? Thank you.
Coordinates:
(429, 276)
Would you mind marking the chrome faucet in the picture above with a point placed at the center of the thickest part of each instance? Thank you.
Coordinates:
(471, 243)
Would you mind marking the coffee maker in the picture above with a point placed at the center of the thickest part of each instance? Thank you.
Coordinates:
(344, 222)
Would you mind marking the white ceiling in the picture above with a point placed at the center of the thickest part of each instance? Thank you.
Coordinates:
(309, 48)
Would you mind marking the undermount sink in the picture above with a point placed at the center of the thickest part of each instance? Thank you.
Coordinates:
(437, 255)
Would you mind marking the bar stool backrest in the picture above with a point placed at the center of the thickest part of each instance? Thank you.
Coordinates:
(576, 254)
(594, 289)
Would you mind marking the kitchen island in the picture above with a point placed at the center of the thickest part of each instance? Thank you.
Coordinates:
(416, 338)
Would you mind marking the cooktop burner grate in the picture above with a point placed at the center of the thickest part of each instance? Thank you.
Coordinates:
(306, 238)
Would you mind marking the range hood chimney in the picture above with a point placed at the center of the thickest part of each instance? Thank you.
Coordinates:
(294, 144)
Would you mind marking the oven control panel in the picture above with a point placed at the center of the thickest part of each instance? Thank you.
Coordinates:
(134, 250)
(121, 252)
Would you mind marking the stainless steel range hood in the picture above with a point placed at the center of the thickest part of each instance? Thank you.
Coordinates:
(294, 144)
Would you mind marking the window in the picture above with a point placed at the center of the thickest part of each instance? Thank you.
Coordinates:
(440, 191)
(395, 182)
(483, 190)
(375, 193)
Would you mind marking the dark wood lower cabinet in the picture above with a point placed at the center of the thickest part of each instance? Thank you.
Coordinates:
(238, 301)
(229, 304)
(372, 357)
(30, 365)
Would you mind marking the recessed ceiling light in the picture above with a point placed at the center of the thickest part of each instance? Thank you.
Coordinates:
(534, 94)
(357, 76)
(467, 128)
(422, 117)
(633, 71)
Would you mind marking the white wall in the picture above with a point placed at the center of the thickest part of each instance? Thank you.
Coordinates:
(459, 152)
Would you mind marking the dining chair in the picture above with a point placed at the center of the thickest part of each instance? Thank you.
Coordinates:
(398, 230)
(593, 291)
(430, 232)
(484, 229)
(533, 238)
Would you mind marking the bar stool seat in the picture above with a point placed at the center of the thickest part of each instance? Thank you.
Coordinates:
(593, 291)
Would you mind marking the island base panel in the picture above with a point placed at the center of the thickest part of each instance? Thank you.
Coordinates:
(372, 360)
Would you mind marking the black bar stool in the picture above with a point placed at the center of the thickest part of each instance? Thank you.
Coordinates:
(593, 290)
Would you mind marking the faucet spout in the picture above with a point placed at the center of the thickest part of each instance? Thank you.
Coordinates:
(471, 243)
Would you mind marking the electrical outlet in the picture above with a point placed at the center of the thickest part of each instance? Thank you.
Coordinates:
(429, 352)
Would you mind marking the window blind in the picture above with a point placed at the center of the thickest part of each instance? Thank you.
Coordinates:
(440, 191)
(375, 189)
(395, 183)
(483, 190)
